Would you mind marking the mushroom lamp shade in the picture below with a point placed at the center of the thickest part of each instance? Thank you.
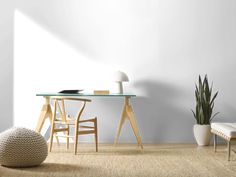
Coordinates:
(120, 77)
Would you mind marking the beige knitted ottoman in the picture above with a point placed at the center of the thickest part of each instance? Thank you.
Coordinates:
(226, 131)
(21, 147)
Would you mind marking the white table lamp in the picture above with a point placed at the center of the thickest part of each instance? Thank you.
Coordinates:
(119, 78)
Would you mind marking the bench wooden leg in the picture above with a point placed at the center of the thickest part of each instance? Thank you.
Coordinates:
(229, 150)
(215, 142)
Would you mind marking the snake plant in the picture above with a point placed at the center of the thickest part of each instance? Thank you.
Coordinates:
(204, 102)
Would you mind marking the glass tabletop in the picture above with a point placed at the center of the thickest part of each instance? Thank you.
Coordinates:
(86, 94)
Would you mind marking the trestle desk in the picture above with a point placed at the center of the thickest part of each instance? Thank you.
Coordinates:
(127, 112)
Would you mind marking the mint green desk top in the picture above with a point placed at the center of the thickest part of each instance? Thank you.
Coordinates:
(86, 94)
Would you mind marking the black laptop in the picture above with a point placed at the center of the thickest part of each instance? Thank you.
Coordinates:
(70, 91)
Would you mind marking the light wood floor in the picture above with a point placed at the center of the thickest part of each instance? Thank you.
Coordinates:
(180, 160)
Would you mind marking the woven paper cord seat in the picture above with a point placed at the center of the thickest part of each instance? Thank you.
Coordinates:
(21, 147)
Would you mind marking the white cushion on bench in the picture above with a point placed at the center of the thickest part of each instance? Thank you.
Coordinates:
(228, 129)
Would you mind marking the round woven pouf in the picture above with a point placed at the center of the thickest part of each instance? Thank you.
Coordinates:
(21, 147)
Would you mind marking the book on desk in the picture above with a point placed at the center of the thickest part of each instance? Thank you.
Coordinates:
(101, 92)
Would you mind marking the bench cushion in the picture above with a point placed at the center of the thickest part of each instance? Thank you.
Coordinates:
(228, 129)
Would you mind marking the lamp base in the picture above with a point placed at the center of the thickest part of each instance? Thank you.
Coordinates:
(119, 88)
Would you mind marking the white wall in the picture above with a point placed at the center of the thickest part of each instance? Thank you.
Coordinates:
(162, 45)
(6, 64)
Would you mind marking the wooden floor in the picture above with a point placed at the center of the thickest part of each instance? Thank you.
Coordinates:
(180, 160)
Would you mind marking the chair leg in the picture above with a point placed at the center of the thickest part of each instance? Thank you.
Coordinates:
(96, 134)
(51, 138)
(215, 142)
(67, 138)
(58, 143)
(229, 148)
(76, 138)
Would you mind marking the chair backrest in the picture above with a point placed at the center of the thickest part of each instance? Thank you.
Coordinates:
(61, 107)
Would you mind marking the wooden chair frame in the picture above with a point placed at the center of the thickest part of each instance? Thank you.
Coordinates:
(64, 120)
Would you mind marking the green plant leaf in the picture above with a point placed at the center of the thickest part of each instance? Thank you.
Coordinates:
(212, 100)
(204, 102)
(193, 113)
(214, 115)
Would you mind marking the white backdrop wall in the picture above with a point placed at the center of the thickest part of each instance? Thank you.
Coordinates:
(6, 64)
(162, 45)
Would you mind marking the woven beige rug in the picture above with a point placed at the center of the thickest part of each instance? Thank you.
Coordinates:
(130, 161)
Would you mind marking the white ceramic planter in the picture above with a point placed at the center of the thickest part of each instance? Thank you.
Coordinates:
(202, 134)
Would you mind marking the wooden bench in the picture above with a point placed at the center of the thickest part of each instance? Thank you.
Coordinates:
(226, 131)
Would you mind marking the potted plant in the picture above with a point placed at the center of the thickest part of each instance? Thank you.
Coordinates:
(203, 111)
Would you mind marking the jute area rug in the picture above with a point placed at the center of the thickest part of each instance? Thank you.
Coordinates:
(129, 161)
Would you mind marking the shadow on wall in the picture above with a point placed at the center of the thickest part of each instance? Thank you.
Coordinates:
(162, 115)
(60, 20)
